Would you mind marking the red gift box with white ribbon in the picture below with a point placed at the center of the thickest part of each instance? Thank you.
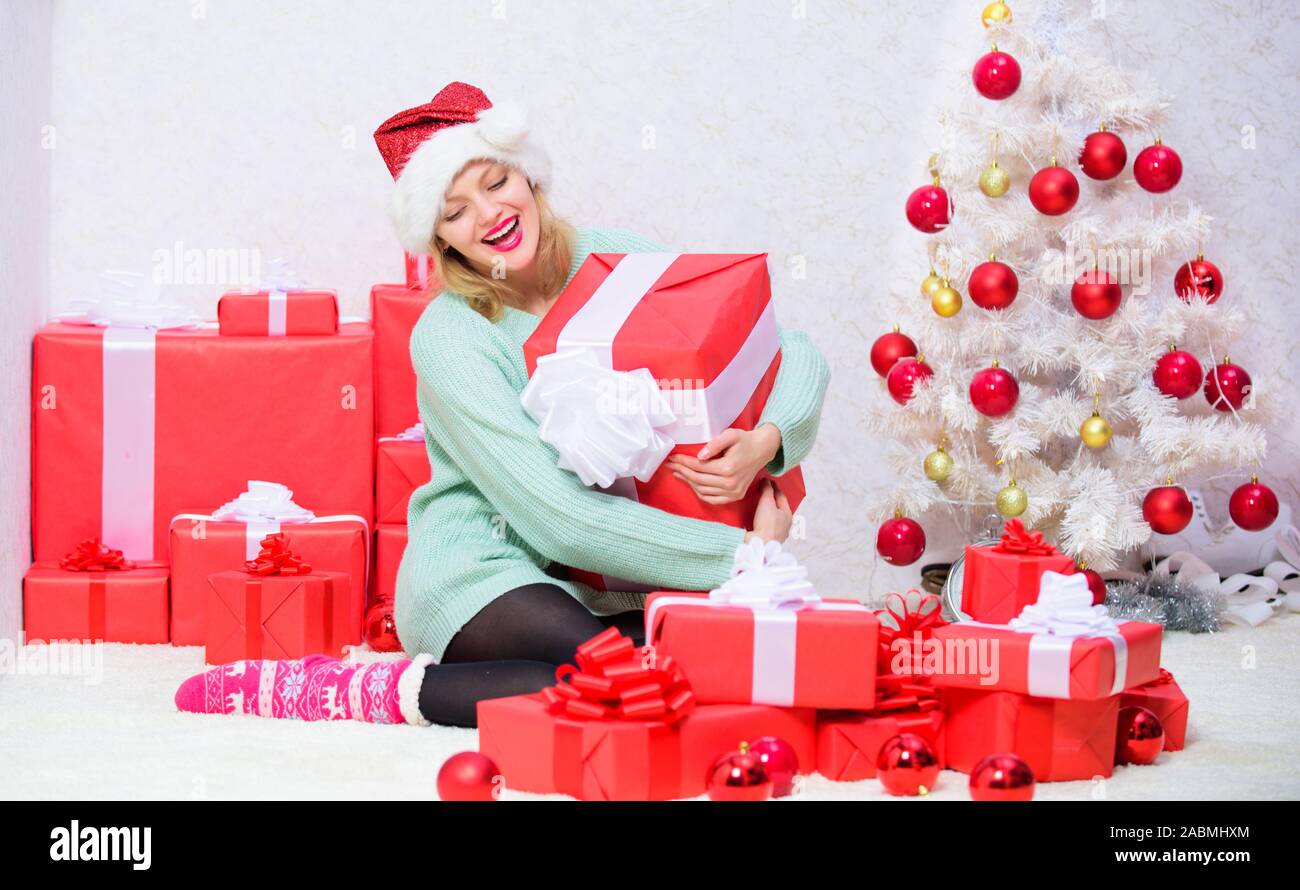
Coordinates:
(999, 581)
(401, 466)
(278, 313)
(648, 354)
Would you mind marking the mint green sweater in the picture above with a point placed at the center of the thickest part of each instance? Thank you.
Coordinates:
(498, 511)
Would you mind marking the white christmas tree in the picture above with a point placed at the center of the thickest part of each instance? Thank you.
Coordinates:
(1087, 500)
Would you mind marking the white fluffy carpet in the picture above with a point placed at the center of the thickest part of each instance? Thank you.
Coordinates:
(122, 738)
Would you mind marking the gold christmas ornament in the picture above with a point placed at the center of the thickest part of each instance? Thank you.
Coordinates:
(946, 301)
(1012, 500)
(938, 465)
(1095, 431)
(996, 14)
(930, 284)
(994, 181)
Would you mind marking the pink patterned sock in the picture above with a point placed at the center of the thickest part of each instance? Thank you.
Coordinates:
(317, 687)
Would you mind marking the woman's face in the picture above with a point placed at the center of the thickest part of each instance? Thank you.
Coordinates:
(490, 198)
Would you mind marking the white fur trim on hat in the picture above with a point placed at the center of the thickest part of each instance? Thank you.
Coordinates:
(408, 690)
(499, 134)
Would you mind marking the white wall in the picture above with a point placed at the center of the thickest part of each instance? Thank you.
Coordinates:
(24, 273)
(244, 124)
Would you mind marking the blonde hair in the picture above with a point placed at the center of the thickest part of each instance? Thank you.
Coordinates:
(556, 245)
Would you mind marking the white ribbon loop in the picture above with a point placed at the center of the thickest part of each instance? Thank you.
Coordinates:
(605, 424)
(263, 502)
(413, 433)
(1065, 609)
(767, 577)
(127, 300)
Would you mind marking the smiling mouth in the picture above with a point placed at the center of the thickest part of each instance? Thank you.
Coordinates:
(504, 233)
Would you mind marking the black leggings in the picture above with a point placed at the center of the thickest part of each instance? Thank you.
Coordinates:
(512, 647)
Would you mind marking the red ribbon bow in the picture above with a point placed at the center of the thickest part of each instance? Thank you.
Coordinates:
(92, 556)
(275, 558)
(913, 613)
(1017, 539)
(894, 694)
(613, 681)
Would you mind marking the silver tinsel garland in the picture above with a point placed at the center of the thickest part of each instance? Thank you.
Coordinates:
(1163, 600)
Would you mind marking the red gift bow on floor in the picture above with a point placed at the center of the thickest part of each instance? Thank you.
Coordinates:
(612, 682)
(92, 556)
(1016, 539)
(894, 694)
(914, 613)
(275, 558)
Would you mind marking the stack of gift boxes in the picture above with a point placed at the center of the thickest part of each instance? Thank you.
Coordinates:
(222, 484)
(836, 681)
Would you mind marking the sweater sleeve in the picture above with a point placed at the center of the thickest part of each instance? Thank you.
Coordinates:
(795, 404)
(486, 431)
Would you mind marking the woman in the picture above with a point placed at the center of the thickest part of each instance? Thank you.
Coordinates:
(474, 595)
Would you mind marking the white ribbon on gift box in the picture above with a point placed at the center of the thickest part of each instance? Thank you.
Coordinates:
(1064, 613)
(770, 583)
(413, 433)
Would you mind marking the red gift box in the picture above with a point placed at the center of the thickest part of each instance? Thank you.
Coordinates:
(390, 544)
(704, 326)
(132, 426)
(120, 606)
(1166, 700)
(1059, 739)
(277, 313)
(401, 466)
(999, 581)
(982, 656)
(848, 742)
(202, 546)
(821, 656)
(419, 272)
(394, 310)
(276, 616)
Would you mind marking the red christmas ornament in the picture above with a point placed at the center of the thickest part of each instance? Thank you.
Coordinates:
(900, 541)
(780, 760)
(1226, 386)
(993, 391)
(996, 75)
(1140, 737)
(380, 628)
(468, 775)
(1198, 278)
(1002, 777)
(928, 208)
(888, 349)
(739, 775)
(1253, 506)
(1097, 584)
(907, 766)
(1157, 168)
(904, 375)
(1103, 155)
(1096, 294)
(1178, 374)
(993, 285)
(1167, 509)
(1053, 190)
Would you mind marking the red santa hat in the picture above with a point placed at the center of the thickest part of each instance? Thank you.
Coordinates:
(426, 146)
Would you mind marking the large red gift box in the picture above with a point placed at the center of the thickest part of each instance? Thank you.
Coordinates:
(821, 656)
(704, 327)
(276, 616)
(1059, 739)
(848, 742)
(132, 426)
(201, 547)
(546, 753)
(1166, 700)
(277, 313)
(119, 606)
(394, 310)
(390, 544)
(999, 581)
(401, 466)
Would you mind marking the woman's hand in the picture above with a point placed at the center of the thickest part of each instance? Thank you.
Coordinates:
(773, 516)
(734, 458)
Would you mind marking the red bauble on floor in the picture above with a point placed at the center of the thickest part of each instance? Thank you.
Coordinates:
(1198, 278)
(993, 285)
(1178, 374)
(904, 375)
(1253, 506)
(1096, 294)
(468, 775)
(1167, 509)
(996, 75)
(1140, 736)
(929, 209)
(1103, 155)
(1053, 190)
(1227, 386)
(780, 760)
(993, 391)
(1002, 777)
(907, 766)
(739, 775)
(380, 629)
(900, 541)
(888, 349)
(1157, 168)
